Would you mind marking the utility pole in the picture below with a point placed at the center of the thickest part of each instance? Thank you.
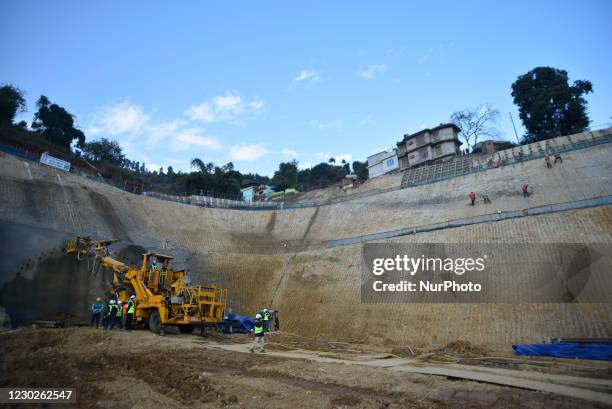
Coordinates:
(514, 127)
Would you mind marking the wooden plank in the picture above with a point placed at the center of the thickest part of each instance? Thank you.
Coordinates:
(514, 382)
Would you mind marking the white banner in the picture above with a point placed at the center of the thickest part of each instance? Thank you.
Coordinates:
(55, 162)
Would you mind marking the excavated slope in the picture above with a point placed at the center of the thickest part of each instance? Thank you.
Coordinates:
(283, 258)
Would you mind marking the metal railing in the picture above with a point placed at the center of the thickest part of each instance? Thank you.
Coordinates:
(465, 165)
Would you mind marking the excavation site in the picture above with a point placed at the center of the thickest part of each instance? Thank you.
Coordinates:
(68, 241)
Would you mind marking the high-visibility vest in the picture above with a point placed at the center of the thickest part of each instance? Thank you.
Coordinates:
(258, 327)
(119, 311)
(111, 309)
(266, 316)
(131, 307)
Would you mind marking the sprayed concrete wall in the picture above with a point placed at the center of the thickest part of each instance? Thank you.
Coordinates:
(283, 257)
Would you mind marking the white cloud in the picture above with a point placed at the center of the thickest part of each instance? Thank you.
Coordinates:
(325, 156)
(247, 152)
(228, 106)
(223, 107)
(201, 112)
(256, 104)
(423, 59)
(157, 132)
(120, 118)
(307, 75)
(313, 123)
(344, 156)
(366, 120)
(289, 152)
(191, 138)
(369, 72)
(304, 165)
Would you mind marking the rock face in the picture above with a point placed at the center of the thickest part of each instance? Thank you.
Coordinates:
(283, 259)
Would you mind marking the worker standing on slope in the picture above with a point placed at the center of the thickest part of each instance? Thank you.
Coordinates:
(266, 320)
(472, 197)
(96, 312)
(131, 308)
(258, 331)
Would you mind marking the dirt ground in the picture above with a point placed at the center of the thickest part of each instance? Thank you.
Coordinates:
(117, 369)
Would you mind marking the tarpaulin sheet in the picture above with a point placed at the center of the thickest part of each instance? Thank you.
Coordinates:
(247, 322)
(566, 350)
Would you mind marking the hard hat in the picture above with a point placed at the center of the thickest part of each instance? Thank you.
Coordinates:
(133, 297)
(98, 298)
(119, 302)
(258, 316)
(265, 310)
(112, 301)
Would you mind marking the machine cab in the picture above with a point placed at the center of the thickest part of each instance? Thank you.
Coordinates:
(157, 274)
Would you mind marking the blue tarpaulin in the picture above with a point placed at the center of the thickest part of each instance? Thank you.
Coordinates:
(566, 350)
(238, 323)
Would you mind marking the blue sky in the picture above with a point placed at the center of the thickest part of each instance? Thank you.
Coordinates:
(257, 83)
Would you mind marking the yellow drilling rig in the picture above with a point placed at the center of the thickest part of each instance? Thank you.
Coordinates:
(163, 296)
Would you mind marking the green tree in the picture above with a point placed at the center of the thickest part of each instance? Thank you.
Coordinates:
(104, 150)
(548, 105)
(11, 102)
(56, 124)
(361, 170)
(286, 176)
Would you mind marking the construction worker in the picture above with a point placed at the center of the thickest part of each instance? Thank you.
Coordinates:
(472, 197)
(525, 189)
(266, 319)
(131, 308)
(258, 331)
(119, 315)
(112, 313)
(96, 312)
(123, 314)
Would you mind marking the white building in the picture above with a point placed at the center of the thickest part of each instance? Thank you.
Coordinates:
(382, 163)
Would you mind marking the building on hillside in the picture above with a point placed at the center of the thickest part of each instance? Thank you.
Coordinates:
(248, 193)
(429, 145)
(257, 193)
(382, 163)
(489, 147)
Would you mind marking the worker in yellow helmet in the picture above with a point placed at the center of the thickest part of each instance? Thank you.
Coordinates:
(96, 312)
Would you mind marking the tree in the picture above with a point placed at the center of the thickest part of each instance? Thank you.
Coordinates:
(198, 164)
(548, 105)
(170, 171)
(286, 176)
(475, 124)
(104, 150)
(11, 102)
(331, 160)
(361, 170)
(56, 124)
